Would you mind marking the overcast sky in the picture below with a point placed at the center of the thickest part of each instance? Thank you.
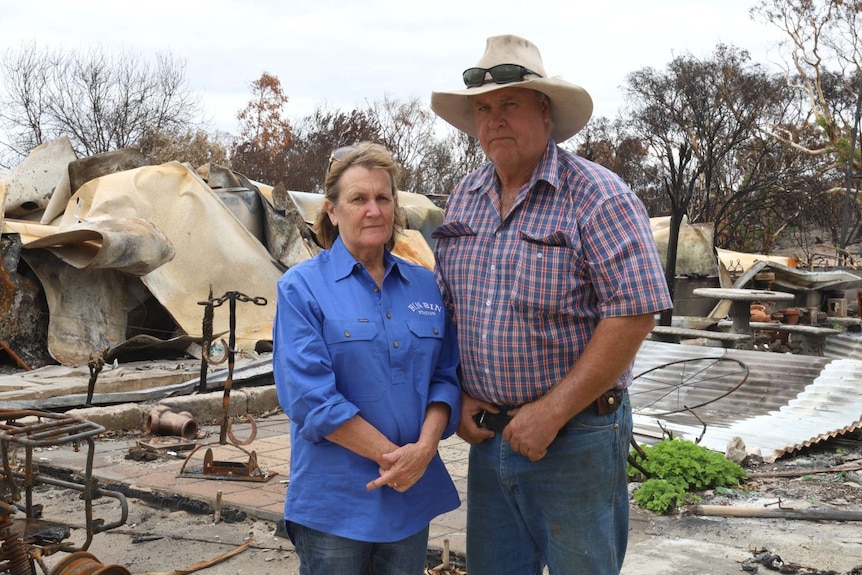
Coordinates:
(344, 54)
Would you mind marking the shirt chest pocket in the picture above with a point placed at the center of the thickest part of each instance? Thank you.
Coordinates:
(337, 332)
(547, 274)
(427, 339)
(454, 241)
(352, 349)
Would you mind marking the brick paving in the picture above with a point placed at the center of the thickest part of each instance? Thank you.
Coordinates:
(261, 499)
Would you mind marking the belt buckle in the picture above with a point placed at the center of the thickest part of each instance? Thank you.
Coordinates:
(495, 422)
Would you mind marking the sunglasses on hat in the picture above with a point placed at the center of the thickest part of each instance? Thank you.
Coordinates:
(501, 74)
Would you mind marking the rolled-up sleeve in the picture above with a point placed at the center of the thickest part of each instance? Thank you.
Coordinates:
(625, 269)
(304, 378)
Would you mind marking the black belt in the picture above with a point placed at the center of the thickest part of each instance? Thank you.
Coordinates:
(608, 402)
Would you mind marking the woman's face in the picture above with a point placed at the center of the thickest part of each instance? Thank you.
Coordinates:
(365, 211)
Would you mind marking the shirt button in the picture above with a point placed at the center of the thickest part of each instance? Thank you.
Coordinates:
(539, 256)
(487, 371)
(395, 344)
(388, 315)
(493, 267)
(376, 289)
(487, 302)
(346, 333)
(436, 331)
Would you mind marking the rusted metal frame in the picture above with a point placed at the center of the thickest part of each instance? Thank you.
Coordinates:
(95, 492)
(49, 434)
(95, 365)
(211, 469)
(59, 430)
(250, 471)
(231, 297)
(231, 360)
(13, 493)
(207, 331)
(229, 469)
(226, 470)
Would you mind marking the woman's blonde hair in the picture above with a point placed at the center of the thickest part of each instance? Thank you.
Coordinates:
(368, 155)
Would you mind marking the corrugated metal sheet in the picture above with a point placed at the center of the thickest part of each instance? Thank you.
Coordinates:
(844, 345)
(786, 403)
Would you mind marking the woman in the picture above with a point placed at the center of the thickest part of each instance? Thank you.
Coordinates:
(365, 368)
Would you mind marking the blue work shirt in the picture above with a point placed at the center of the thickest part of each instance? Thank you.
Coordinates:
(342, 347)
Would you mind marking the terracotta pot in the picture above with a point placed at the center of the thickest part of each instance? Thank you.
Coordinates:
(758, 312)
(791, 316)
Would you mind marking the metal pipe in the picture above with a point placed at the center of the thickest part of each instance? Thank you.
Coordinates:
(162, 421)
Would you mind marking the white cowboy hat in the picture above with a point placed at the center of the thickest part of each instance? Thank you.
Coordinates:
(571, 105)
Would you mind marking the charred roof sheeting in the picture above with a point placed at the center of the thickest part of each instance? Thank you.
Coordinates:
(787, 402)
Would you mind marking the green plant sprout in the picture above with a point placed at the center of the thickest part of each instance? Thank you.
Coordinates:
(676, 469)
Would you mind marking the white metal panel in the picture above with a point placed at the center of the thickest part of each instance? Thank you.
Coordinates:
(788, 401)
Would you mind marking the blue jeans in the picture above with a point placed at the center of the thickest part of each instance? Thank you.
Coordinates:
(569, 510)
(326, 554)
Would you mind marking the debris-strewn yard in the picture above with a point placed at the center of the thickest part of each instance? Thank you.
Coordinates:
(736, 537)
(826, 478)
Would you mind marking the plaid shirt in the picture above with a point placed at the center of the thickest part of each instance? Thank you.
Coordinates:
(526, 293)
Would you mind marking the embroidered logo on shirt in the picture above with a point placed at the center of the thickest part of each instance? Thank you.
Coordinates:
(425, 308)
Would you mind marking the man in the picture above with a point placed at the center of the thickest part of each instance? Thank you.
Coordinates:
(548, 265)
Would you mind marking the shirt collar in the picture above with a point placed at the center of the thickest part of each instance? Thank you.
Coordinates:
(546, 169)
(345, 264)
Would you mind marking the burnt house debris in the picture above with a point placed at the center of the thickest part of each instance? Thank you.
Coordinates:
(108, 262)
(105, 255)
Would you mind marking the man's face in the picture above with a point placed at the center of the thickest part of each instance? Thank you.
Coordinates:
(513, 126)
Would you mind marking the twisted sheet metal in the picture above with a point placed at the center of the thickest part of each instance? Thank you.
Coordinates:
(788, 402)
